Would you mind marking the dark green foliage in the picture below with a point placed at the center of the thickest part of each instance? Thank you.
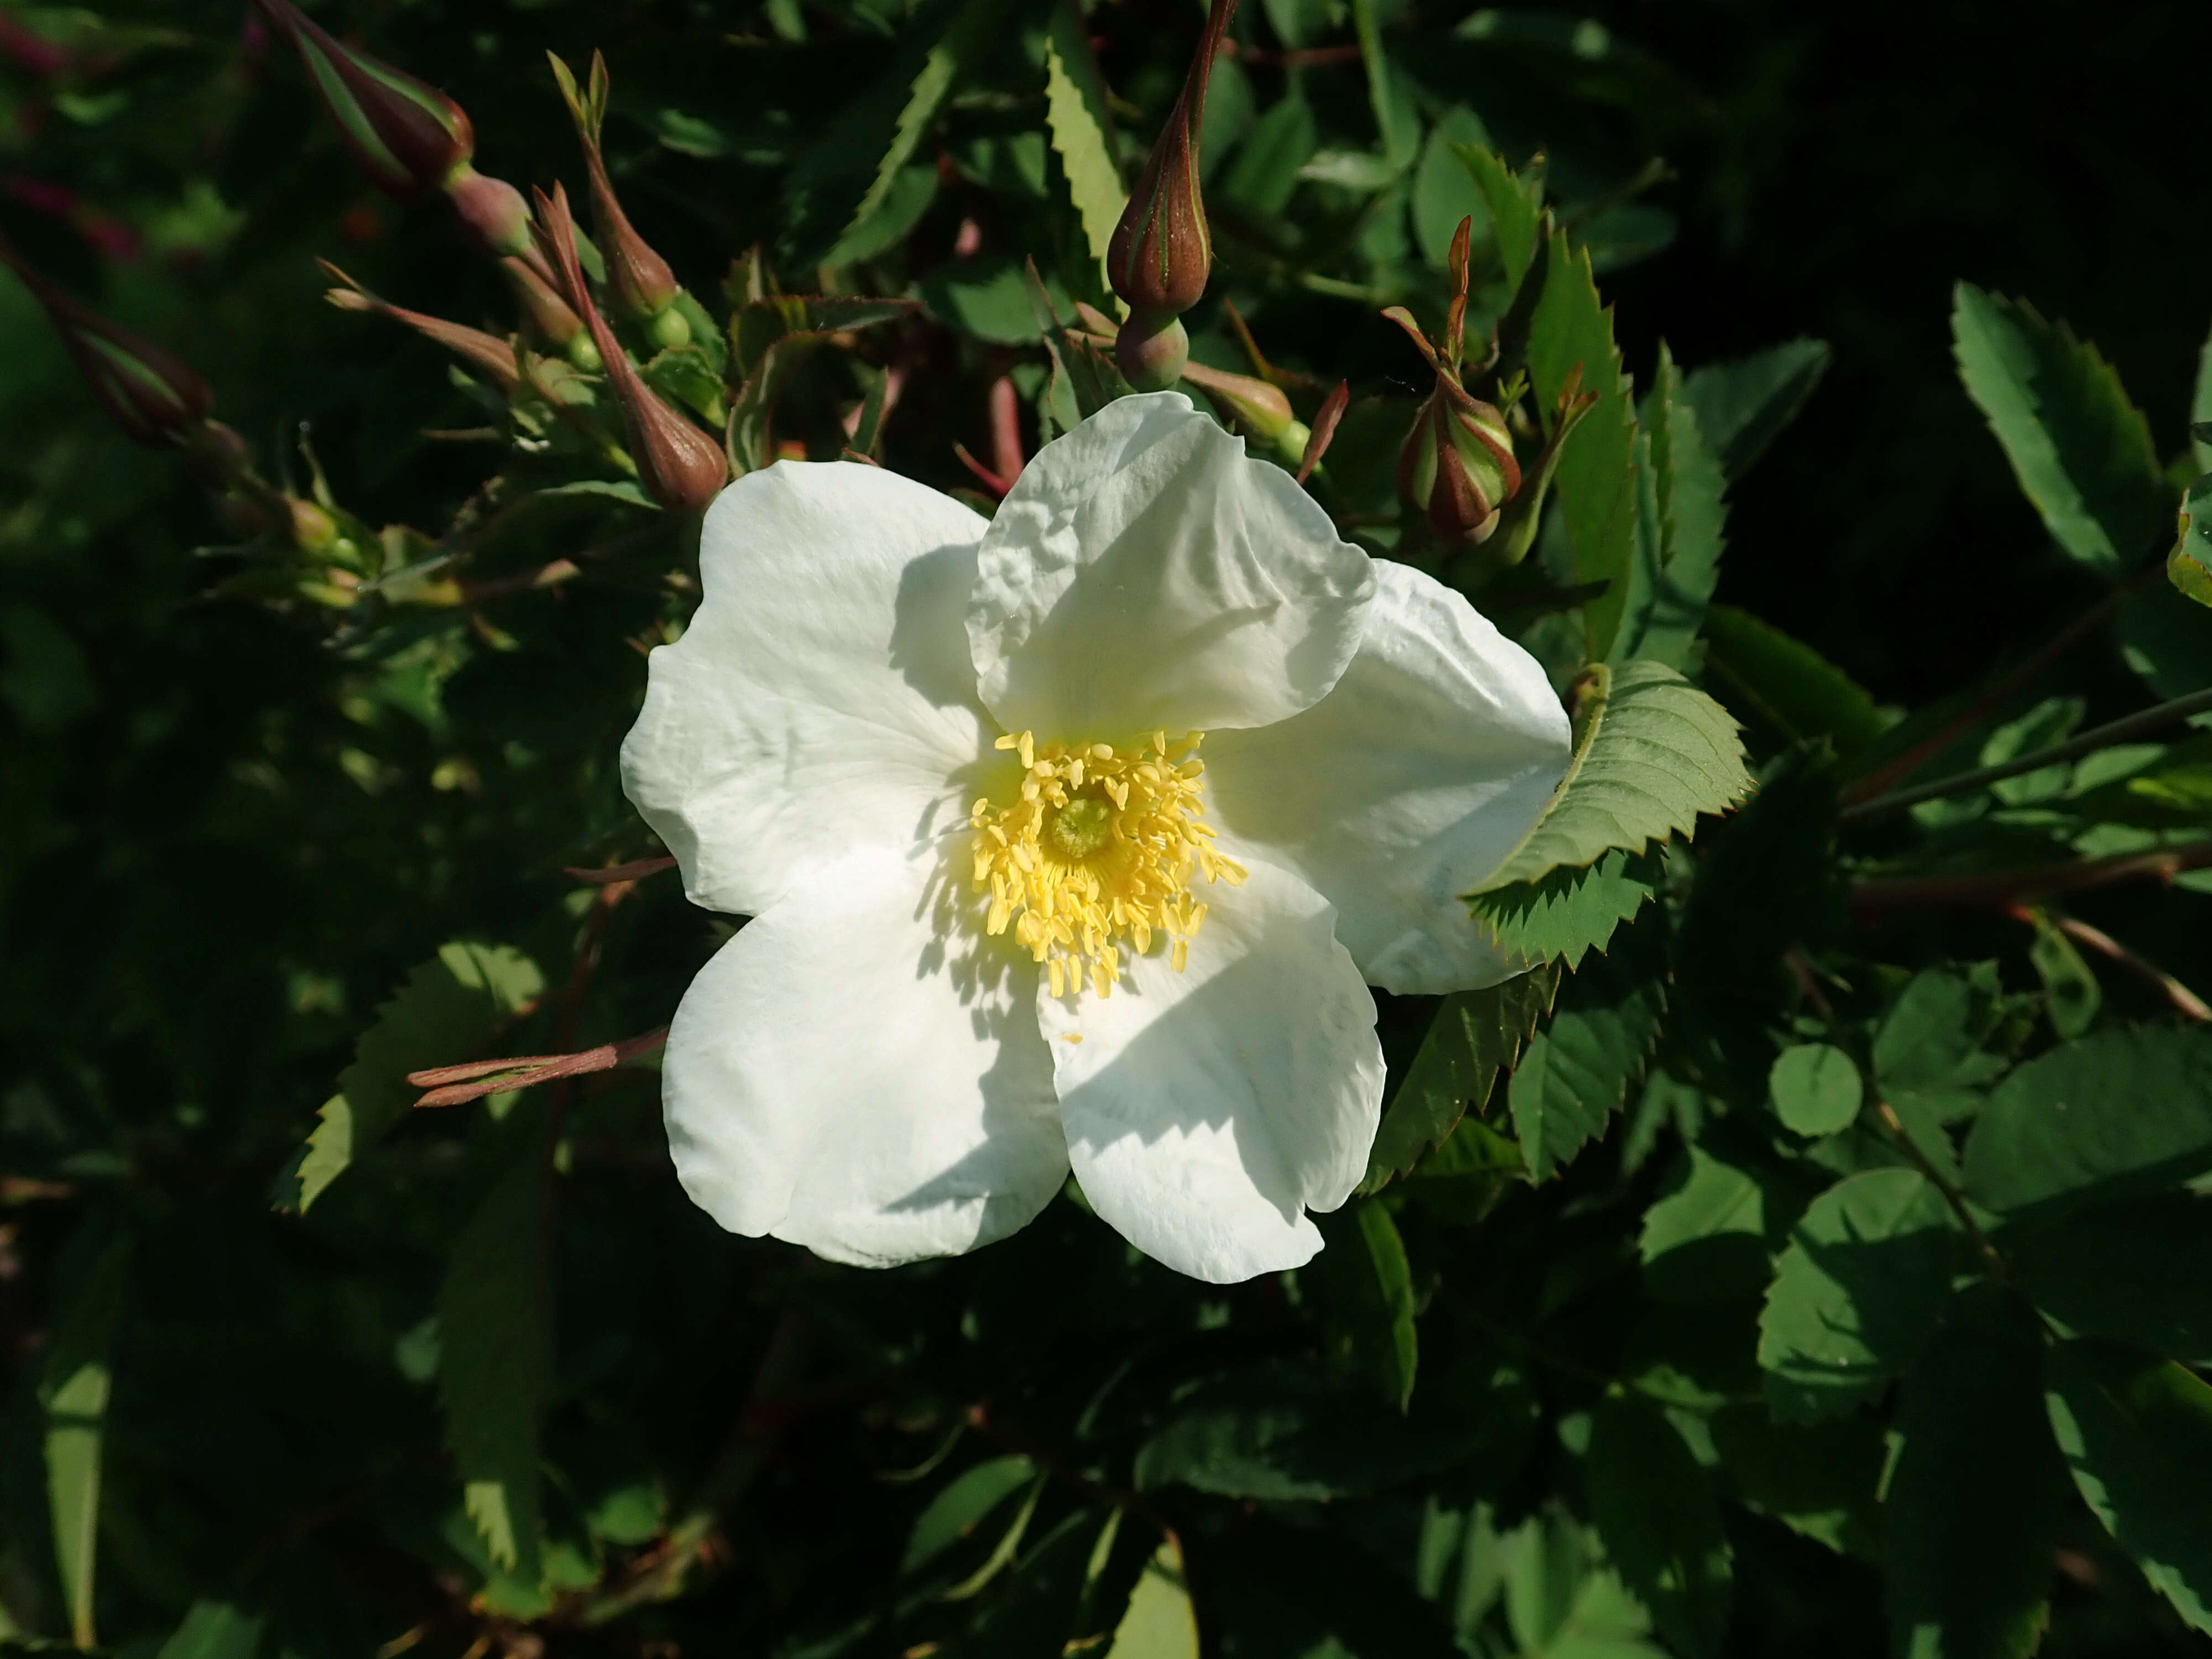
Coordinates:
(1813, 1240)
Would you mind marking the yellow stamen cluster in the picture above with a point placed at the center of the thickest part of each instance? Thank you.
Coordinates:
(1099, 845)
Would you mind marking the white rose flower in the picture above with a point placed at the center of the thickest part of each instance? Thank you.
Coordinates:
(1005, 921)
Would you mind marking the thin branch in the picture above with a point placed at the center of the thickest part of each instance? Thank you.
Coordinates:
(2102, 736)
(2189, 1005)
(1981, 707)
(1951, 1196)
(2000, 889)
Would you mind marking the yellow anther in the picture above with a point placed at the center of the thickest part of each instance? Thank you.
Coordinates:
(1098, 848)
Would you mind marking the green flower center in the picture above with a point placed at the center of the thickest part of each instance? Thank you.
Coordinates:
(1079, 829)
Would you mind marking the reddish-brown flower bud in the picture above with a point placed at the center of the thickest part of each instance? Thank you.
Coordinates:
(407, 136)
(154, 395)
(680, 467)
(640, 279)
(1456, 465)
(1161, 253)
(486, 353)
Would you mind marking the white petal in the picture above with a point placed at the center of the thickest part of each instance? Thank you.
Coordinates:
(850, 1075)
(822, 699)
(1208, 1110)
(1405, 786)
(1144, 575)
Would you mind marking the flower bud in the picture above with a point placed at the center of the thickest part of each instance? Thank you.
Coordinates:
(1261, 409)
(486, 353)
(640, 279)
(407, 136)
(1456, 465)
(152, 394)
(548, 313)
(1161, 253)
(680, 467)
(492, 212)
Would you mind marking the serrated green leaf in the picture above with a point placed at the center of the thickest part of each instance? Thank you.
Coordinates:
(1788, 685)
(1081, 133)
(496, 1360)
(2138, 1272)
(214, 1630)
(851, 174)
(1655, 1511)
(1577, 1072)
(1565, 915)
(76, 1377)
(1463, 1179)
(1744, 403)
(2136, 1434)
(1975, 1493)
(1474, 1035)
(965, 1503)
(1681, 521)
(1573, 330)
(1516, 205)
(2081, 450)
(1815, 1089)
(1371, 1294)
(1708, 1237)
(1652, 753)
(2115, 1114)
(446, 1007)
(1856, 1293)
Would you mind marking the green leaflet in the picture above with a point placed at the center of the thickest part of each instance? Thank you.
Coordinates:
(1743, 403)
(2139, 1271)
(1945, 1038)
(446, 1008)
(2070, 990)
(1709, 1237)
(1388, 90)
(2081, 450)
(1817, 1479)
(1474, 1036)
(2189, 567)
(2136, 1434)
(1975, 1495)
(1572, 331)
(1158, 1622)
(956, 1512)
(75, 1380)
(1856, 1293)
(1660, 1525)
(1370, 1290)
(1789, 685)
(1081, 133)
(1815, 1089)
(1516, 204)
(1653, 753)
(1576, 1073)
(496, 1360)
(1445, 192)
(1287, 1431)
(214, 1630)
(2115, 1114)
(1680, 517)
